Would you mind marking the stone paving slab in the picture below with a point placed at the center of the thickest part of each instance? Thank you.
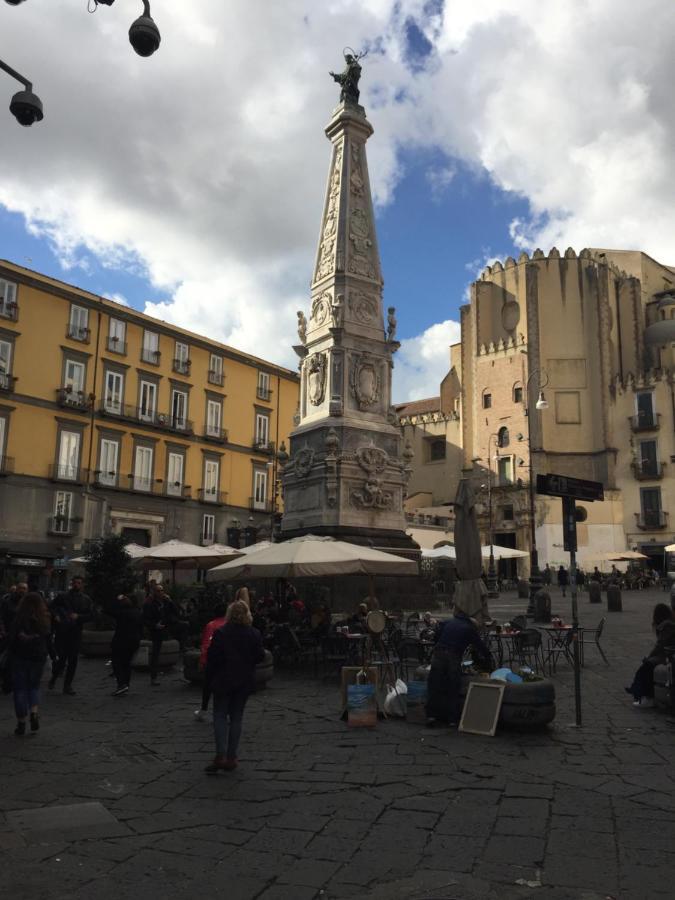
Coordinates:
(320, 812)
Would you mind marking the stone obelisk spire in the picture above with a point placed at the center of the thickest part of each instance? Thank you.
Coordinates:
(347, 470)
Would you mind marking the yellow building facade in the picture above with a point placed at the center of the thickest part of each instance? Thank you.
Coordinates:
(114, 422)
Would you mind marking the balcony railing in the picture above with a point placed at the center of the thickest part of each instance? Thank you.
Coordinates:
(209, 495)
(151, 356)
(182, 366)
(61, 472)
(215, 377)
(177, 490)
(61, 525)
(652, 520)
(259, 505)
(263, 393)
(263, 446)
(206, 540)
(105, 479)
(146, 417)
(9, 311)
(115, 345)
(73, 399)
(77, 333)
(7, 382)
(219, 435)
(6, 465)
(645, 421)
(647, 470)
(143, 485)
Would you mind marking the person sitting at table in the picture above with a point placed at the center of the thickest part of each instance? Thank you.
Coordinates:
(428, 627)
(358, 623)
(642, 688)
(444, 703)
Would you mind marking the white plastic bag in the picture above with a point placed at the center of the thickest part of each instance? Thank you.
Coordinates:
(395, 701)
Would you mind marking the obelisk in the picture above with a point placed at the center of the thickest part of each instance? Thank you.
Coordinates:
(347, 472)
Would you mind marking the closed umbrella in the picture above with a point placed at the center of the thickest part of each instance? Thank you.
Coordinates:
(470, 592)
(312, 557)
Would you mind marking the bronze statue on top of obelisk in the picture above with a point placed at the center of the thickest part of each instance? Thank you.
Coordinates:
(347, 471)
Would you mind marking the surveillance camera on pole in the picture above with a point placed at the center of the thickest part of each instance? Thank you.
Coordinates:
(25, 106)
(144, 34)
(13, 2)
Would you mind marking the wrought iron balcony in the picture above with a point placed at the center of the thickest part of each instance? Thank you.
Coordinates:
(182, 366)
(9, 310)
(69, 397)
(144, 416)
(151, 356)
(65, 525)
(218, 435)
(645, 421)
(77, 333)
(215, 377)
(143, 485)
(263, 393)
(211, 495)
(177, 490)
(115, 345)
(263, 446)
(652, 520)
(647, 470)
(259, 505)
(73, 474)
(6, 465)
(7, 382)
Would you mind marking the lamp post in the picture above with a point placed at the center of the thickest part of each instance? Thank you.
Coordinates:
(25, 106)
(541, 403)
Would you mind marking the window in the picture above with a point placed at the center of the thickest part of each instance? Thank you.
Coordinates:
(208, 529)
(73, 376)
(107, 463)
(63, 511)
(6, 380)
(181, 361)
(650, 504)
(505, 470)
(259, 489)
(78, 326)
(148, 405)
(117, 332)
(214, 413)
(487, 400)
(216, 369)
(113, 393)
(211, 479)
(8, 308)
(648, 460)
(174, 474)
(517, 394)
(436, 450)
(150, 352)
(645, 409)
(179, 401)
(263, 386)
(503, 437)
(262, 428)
(69, 455)
(507, 513)
(143, 469)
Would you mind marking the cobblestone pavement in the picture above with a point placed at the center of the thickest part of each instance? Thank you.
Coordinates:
(318, 810)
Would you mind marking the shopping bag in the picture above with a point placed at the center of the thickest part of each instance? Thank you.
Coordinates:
(361, 706)
(416, 701)
(395, 700)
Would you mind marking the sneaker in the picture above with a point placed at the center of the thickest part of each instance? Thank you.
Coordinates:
(20, 729)
(199, 715)
(644, 703)
(108, 662)
(124, 689)
(34, 722)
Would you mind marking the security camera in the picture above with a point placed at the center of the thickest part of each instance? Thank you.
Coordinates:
(13, 2)
(26, 107)
(144, 36)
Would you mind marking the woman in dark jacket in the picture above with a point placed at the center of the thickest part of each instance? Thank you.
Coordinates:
(28, 647)
(125, 642)
(234, 652)
(642, 687)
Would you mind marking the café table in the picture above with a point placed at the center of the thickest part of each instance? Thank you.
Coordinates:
(559, 644)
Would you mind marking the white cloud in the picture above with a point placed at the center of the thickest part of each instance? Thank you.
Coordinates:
(423, 361)
(204, 166)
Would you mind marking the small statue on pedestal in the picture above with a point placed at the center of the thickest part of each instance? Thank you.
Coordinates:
(391, 324)
(349, 79)
(302, 327)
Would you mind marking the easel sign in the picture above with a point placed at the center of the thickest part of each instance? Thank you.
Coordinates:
(482, 707)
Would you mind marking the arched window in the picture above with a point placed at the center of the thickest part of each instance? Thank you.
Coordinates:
(517, 393)
(503, 437)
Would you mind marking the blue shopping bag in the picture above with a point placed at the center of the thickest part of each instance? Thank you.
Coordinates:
(361, 705)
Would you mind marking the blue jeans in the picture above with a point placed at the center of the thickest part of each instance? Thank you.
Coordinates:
(228, 715)
(26, 675)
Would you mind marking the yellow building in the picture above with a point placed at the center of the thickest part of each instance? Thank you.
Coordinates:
(114, 422)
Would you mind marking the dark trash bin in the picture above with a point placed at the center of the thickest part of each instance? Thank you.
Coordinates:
(542, 607)
(594, 592)
(614, 598)
(523, 589)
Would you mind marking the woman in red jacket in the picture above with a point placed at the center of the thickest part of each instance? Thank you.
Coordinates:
(218, 621)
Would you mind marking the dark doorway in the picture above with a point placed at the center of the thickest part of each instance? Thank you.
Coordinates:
(506, 568)
(140, 536)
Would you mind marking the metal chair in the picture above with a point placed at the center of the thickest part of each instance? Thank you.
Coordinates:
(597, 634)
(410, 653)
(528, 647)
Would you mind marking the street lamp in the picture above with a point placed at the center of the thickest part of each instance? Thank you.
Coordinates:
(541, 403)
(25, 106)
(144, 35)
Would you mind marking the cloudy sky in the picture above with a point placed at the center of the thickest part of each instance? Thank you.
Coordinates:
(190, 184)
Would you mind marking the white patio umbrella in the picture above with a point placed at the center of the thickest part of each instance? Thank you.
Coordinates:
(444, 552)
(313, 557)
(179, 554)
(502, 552)
(134, 551)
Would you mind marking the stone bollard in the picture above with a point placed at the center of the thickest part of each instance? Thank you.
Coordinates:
(614, 598)
(542, 607)
(594, 592)
(523, 589)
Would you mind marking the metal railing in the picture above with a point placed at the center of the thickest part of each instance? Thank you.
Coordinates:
(73, 399)
(215, 377)
(182, 366)
(177, 490)
(647, 470)
(209, 495)
(151, 356)
(115, 345)
(146, 417)
(263, 393)
(9, 311)
(645, 421)
(215, 434)
(651, 520)
(74, 474)
(263, 446)
(259, 505)
(76, 333)
(7, 382)
(143, 485)
(60, 525)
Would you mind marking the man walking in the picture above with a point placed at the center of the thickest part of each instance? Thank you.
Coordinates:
(159, 615)
(71, 611)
